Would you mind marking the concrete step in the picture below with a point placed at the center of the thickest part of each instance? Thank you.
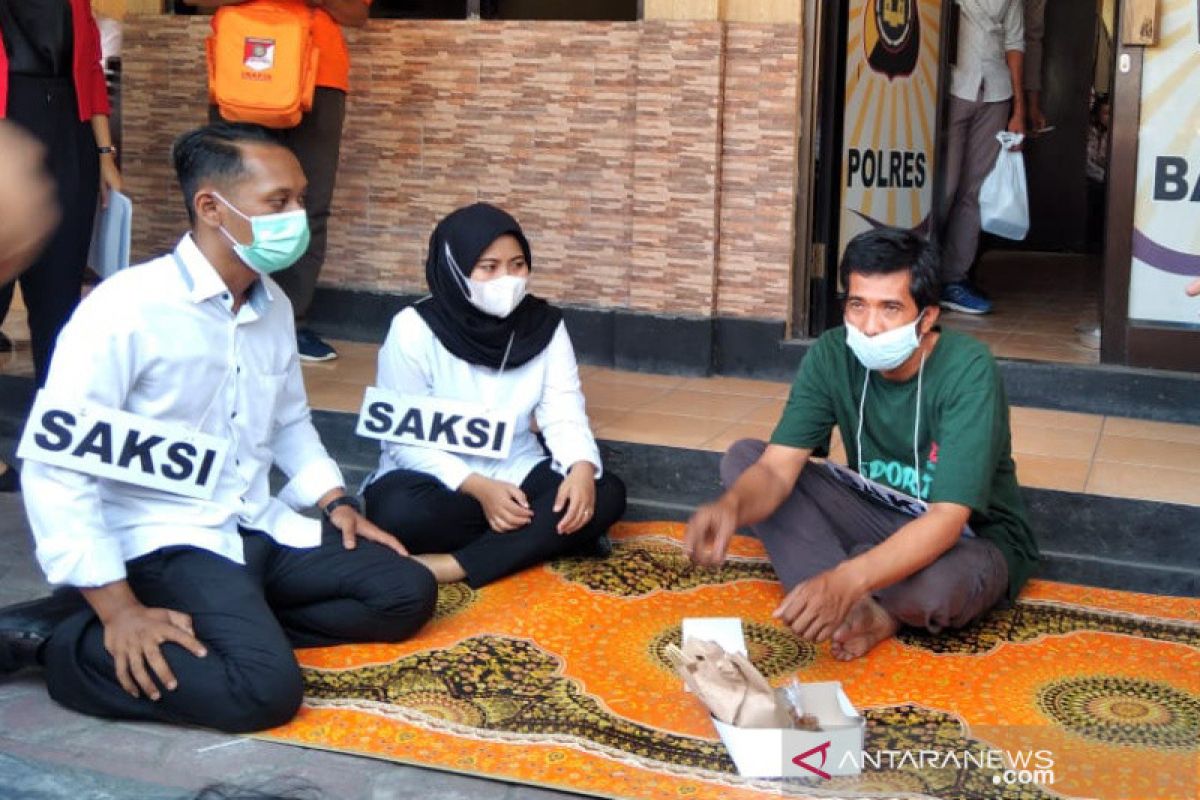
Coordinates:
(1138, 545)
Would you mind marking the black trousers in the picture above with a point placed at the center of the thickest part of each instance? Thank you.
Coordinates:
(317, 142)
(427, 517)
(47, 109)
(249, 618)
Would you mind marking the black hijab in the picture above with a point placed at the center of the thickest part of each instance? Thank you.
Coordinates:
(464, 330)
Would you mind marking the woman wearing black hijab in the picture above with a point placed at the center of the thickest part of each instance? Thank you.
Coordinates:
(479, 338)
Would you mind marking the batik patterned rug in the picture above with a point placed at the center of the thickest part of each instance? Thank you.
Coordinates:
(557, 677)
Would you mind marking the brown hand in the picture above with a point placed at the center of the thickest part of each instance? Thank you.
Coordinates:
(110, 178)
(1016, 124)
(134, 637)
(708, 533)
(576, 494)
(355, 526)
(815, 608)
(504, 504)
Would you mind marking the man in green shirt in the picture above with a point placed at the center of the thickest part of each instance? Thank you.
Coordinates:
(923, 414)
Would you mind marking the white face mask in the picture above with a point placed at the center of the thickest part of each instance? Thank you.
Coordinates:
(498, 296)
(884, 351)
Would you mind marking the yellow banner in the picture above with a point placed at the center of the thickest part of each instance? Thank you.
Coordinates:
(890, 118)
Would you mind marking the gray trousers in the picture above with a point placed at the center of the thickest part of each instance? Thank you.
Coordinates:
(317, 142)
(971, 150)
(825, 522)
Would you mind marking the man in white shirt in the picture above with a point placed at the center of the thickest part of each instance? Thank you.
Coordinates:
(986, 97)
(193, 605)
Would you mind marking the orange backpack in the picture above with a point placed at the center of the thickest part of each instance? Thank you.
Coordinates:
(262, 63)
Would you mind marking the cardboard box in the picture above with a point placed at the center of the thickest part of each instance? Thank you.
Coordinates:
(834, 750)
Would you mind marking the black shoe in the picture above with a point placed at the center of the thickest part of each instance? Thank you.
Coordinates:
(10, 480)
(312, 347)
(25, 627)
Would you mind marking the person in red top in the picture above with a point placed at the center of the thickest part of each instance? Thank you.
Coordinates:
(316, 141)
(51, 84)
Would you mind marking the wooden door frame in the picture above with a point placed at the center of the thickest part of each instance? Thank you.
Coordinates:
(1123, 341)
(807, 255)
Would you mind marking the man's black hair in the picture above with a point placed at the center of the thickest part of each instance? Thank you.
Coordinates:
(883, 251)
(213, 151)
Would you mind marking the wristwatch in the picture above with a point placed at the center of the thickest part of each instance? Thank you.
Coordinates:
(338, 502)
(106, 150)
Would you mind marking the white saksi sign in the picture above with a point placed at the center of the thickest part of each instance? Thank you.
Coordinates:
(451, 425)
(120, 446)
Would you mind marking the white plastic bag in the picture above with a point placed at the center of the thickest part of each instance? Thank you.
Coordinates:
(1003, 198)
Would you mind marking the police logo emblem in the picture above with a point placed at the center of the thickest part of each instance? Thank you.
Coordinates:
(892, 36)
(258, 54)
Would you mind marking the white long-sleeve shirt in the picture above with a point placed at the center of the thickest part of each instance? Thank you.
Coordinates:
(546, 388)
(161, 340)
(987, 29)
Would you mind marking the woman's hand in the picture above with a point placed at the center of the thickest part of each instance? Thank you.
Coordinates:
(504, 504)
(110, 177)
(576, 494)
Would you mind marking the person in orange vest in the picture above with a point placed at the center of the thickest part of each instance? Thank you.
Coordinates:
(316, 141)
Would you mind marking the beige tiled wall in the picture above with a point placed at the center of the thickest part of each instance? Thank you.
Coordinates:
(652, 163)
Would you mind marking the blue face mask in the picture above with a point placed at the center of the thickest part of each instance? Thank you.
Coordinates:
(884, 351)
(279, 239)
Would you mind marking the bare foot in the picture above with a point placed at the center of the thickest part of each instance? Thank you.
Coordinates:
(445, 567)
(867, 625)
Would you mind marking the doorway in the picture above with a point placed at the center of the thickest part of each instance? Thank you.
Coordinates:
(1046, 290)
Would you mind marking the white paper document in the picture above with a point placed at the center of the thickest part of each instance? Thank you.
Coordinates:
(725, 631)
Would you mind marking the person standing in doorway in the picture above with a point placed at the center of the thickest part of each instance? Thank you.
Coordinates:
(986, 97)
(316, 141)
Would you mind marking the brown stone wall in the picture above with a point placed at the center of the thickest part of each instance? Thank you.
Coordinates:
(758, 171)
(651, 163)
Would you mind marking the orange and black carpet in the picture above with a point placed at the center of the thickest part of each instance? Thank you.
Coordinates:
(557, 677)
